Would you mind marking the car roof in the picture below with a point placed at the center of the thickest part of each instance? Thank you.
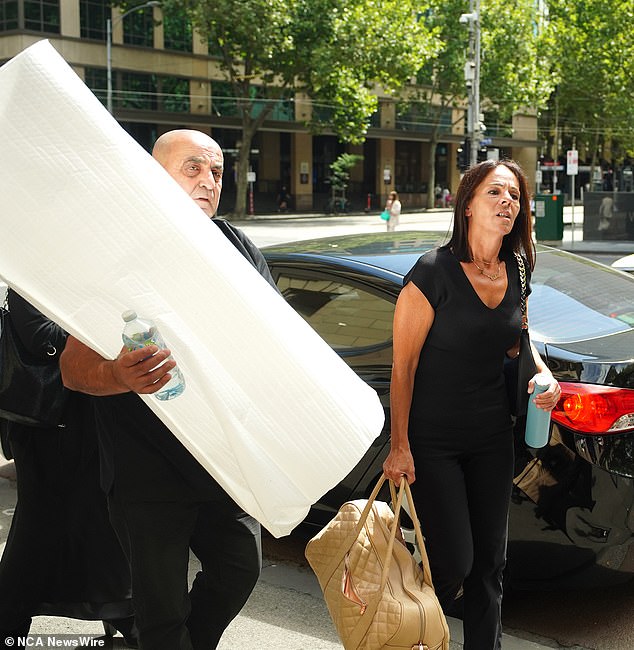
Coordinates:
(395, 252)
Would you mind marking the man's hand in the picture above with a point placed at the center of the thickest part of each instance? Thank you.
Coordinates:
(142, 371)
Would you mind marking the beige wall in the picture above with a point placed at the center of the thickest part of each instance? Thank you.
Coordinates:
(525, 128)
(69, 19)
(302, 159)
(385, 160)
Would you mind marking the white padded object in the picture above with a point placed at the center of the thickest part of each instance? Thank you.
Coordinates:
(92, 225)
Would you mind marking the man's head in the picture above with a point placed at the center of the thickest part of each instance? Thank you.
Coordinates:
(195, 162)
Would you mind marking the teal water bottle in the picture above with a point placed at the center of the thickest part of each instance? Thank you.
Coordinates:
(138, 333)
(537, 420)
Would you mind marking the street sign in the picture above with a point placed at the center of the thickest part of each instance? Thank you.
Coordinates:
(250, 177)
(572, 162)
(552, 168)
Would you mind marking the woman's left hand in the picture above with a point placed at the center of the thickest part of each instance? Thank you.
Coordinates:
(549, 398)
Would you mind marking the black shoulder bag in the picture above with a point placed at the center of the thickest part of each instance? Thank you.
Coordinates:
(520, 370)
(31, 389)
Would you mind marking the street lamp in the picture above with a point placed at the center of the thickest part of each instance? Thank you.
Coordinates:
(472, 77)
(109, 24)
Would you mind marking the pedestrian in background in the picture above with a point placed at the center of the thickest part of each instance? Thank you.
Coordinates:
(283, 200)
(457, 317)
(163, 503)
(393, 207)
(62, 557)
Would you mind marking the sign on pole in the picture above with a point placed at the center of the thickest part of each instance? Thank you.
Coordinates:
(572, 160)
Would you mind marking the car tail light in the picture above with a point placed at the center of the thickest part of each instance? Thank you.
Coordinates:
(594, 409)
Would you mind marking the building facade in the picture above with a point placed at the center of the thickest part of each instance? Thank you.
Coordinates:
(165, 76)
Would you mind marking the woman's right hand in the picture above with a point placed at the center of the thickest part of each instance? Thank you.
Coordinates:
(398, 463)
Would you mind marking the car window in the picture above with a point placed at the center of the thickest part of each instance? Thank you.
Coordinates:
(345, 315)
(575, 298)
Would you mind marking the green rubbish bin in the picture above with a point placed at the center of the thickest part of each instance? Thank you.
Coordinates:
(549, 217)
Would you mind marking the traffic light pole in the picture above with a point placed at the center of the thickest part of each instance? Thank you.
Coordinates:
(472, 78)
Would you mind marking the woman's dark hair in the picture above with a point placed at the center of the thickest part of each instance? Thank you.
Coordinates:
(520, 238)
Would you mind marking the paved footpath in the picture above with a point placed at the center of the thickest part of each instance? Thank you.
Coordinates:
(285, 612)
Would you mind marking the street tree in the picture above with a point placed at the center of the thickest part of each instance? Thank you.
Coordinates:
(339, 177)
(515, 70)
(339, 53)
(592, 105)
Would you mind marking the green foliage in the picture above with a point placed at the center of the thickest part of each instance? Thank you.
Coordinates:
(594, 41)
(340, 52)
(340, 170)
(515, 69)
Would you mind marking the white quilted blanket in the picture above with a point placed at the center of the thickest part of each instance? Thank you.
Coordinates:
(91, 225)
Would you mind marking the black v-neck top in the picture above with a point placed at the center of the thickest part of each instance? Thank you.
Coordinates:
(459, 381)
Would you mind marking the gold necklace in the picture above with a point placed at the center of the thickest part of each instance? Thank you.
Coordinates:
(491, 277)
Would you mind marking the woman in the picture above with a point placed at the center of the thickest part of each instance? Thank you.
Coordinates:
(393, 206)
(62, 557)
(457, 316)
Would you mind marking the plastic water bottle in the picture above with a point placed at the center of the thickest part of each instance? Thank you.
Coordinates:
(537, 420)
(138, 333)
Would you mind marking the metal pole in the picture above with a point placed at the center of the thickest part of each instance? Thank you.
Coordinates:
(109, 64)
(473, 154)
(475, 145)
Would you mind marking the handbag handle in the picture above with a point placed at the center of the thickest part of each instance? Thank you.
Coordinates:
(354, 534)
(404, 488)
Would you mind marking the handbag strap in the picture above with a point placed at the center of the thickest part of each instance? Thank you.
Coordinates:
(523, 288)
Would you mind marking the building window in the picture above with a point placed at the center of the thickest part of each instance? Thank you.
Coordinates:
(224, 103)
(42, 16)
(418, 116)
(96, 80)
(93, 15)
(8, 15)
(145, 92)
(138, 28)
(408, 166)
(138, 91)
(174, 94)
(178, 33)
(214, 48)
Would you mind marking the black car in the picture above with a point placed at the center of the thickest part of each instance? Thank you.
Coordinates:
(572, 515)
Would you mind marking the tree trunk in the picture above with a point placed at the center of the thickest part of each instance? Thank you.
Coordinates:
(250, 127)
(593, 161)
(431, 179)
(244, 154)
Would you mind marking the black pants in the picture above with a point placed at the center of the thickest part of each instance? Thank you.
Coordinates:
(157, 537)
(462, 493)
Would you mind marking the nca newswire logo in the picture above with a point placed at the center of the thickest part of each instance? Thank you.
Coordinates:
(58, 641)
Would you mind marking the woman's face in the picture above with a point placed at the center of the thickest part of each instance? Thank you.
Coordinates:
(495, 203)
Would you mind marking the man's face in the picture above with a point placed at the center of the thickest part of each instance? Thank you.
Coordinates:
(196, 163)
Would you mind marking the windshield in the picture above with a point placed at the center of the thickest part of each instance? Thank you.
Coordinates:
(574, 298)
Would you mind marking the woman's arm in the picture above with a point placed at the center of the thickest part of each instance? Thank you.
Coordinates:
(413, 319)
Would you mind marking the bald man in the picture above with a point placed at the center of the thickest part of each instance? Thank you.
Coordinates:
(162, 502)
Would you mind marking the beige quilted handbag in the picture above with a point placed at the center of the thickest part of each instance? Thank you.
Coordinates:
(377, 595)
